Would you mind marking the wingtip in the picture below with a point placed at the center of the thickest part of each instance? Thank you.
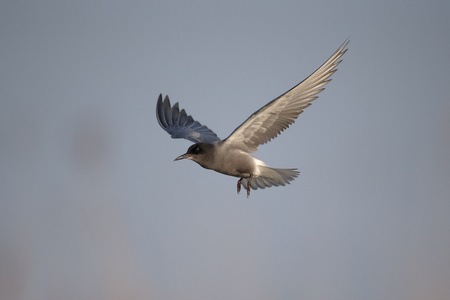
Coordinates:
(160, 111)
(343, 48)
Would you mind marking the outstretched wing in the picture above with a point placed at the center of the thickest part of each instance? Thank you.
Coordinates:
(179, 125)
(269, 121)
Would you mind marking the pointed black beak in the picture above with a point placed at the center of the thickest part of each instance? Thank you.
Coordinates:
(184, 156)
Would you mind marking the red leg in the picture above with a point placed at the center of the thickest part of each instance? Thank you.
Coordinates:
(239, 185)
(248, 186)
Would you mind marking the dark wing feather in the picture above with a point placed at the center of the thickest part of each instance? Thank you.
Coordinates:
(179, 125)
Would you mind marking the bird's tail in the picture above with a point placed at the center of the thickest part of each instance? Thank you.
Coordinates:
(271, 177)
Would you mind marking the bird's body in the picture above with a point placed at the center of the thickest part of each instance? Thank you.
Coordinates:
(231, 156)
(234, 162)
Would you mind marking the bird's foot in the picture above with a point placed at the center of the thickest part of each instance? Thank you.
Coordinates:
(248, 186)
(239, 185)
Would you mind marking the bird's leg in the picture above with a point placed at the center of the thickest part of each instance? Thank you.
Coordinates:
(239, 185)
(248, 186)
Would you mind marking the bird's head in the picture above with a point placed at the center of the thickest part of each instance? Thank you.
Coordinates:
(200, 153)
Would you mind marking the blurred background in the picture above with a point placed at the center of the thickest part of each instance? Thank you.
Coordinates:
(92, 205)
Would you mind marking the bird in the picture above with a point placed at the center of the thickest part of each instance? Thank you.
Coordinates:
(232, 155)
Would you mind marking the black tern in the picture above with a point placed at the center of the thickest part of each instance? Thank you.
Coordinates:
(231, 156)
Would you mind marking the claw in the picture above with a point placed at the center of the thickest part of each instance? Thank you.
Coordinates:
(239, 185)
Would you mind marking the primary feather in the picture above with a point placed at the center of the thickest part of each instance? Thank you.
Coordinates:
(269, 121)
(179, 125)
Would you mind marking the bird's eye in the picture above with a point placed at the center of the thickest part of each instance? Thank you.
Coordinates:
(197, 150)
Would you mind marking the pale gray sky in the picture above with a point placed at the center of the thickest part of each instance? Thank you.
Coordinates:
(93, 206)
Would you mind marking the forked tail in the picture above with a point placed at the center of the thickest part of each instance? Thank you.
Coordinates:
(271, 177)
